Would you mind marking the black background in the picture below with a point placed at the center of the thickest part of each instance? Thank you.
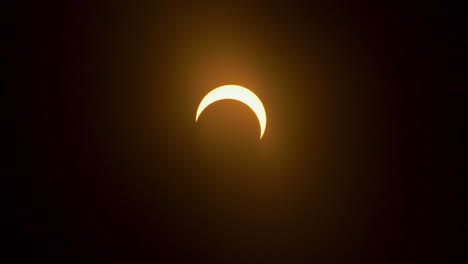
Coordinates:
(112, 166)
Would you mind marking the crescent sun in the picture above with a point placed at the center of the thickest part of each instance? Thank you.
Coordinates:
(239, 93)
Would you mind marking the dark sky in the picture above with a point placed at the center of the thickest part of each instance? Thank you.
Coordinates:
(112, 166)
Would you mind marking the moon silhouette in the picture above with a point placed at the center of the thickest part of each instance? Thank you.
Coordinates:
(239, 93)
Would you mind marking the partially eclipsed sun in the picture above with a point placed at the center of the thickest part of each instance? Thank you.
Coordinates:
(239, 93)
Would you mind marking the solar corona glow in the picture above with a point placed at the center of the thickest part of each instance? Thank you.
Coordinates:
(239, 93)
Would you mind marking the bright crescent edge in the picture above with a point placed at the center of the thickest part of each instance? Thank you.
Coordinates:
(239, 93)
